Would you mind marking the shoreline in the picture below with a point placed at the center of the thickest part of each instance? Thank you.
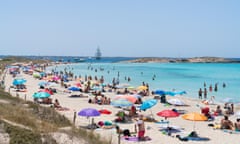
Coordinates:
(76, 104)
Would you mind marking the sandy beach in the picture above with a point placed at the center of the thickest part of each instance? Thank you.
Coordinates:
(216, 136)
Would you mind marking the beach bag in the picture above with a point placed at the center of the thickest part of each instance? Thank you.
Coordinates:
(126, 132)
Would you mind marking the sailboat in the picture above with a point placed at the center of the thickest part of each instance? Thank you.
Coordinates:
(98, 54)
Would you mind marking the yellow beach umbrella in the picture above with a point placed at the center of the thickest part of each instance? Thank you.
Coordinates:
(194, 116)
(142, 88)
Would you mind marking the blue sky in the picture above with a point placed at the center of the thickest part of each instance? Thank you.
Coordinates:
(159, 28)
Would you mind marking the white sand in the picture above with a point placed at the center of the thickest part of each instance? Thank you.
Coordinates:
(76, 104)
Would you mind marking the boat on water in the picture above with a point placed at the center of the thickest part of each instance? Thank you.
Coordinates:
(78, 60)
(98, 54)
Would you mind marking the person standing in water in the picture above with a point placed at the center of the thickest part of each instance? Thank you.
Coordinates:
(205, 93)
(200, 93)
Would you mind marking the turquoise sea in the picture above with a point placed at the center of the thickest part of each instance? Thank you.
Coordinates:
(168, 76)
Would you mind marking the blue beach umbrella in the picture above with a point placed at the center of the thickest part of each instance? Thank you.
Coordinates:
(121, 103)
(148, 104)
(74, 89)
(41, 95)
(19, 81)
(159, 92)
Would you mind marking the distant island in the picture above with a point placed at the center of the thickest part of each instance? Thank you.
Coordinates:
(183, 60)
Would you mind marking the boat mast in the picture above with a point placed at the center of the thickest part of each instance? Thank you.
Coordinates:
(98, 53)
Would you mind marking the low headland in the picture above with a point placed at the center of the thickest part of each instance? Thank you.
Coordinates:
(183, 60)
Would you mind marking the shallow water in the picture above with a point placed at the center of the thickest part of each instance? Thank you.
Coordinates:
(178, 76)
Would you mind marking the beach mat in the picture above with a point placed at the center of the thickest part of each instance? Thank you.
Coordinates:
(135, 139)
(165, 131)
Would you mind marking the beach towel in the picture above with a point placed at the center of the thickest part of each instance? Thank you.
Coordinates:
(231, 131)
(167, 131)
(188, 138)
(135, 139)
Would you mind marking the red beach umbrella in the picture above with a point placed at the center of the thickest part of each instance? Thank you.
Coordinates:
(47, 91)
(105, 111)
(168, 113)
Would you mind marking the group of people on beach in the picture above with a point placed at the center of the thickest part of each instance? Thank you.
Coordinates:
(229, 125)
(204, 91)
(139, 129)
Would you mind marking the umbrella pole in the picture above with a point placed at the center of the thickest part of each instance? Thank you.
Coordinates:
(152, 114)
(194, 126)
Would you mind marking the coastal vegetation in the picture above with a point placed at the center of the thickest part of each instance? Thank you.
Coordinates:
(27, 122)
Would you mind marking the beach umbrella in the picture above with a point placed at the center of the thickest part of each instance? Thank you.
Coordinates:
(176, 102)
(19, 81)
(159, 92)
(121, 103)
(127, 97)
(43, 83)
(42, 74)
(130, 87)
(89, 112)
(148, 104)
(105, 111)
(36, 75)
(55, 78)
(137, 96)
(142, 87)
(52, 84)
(168, 114)
(194, 116)
(47, 91)
(41, 95)
(74, 89)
